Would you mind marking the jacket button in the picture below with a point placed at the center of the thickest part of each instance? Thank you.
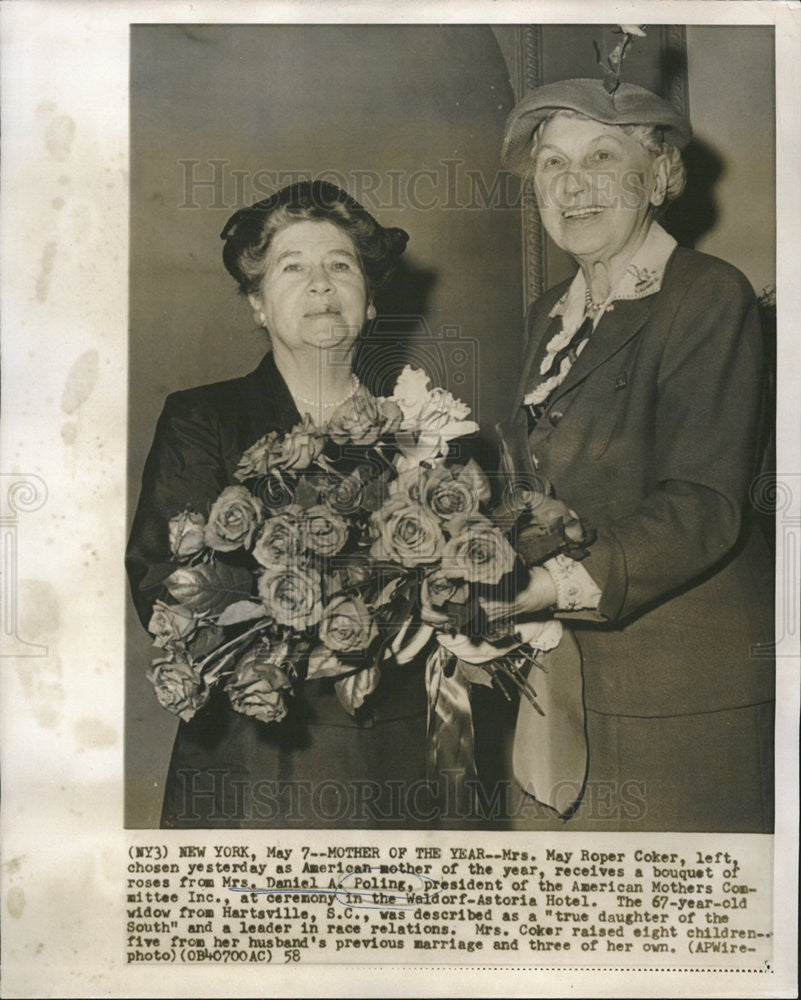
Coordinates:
(555, 416)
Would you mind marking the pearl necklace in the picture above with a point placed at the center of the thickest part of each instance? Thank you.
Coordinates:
(590, 305)
(355, 384)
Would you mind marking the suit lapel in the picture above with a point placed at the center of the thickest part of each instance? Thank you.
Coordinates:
(615, 329)
(266, 404)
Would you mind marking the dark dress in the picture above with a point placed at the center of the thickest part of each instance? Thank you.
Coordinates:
(319, 767)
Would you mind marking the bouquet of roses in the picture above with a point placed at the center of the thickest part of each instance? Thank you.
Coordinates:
(334, 539)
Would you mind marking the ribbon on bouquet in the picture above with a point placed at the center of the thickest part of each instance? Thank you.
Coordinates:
(549, 759)
(450, 745)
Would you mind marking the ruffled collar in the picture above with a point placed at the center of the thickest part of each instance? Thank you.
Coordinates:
(642, 277)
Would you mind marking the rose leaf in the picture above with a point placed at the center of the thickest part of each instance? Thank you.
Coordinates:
(210, 587)
(307, 494)
(241, 611)
(156, 575)
(324, 663)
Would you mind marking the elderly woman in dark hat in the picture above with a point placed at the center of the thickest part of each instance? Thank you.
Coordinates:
(309, 259)
(640, 401)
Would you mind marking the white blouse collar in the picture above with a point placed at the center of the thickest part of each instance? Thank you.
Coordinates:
(642, 277)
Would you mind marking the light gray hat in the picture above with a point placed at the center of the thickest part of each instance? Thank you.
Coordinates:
(629, 105)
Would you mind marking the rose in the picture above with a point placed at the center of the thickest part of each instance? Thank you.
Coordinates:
(274, 492)
(301, 446)
(424, 409)
(357, 420)
(349, 571)
(446, 496)
(411, 393)
(435, 591)
(259, 457)
(546, 513)
(233, 519)
(346, 625)
(391, 414)
(292, 595)
(178, 686)
(440, 409)
(409, 484)
(440, 420)
(451, 491)
(282, 538)
(477, 551)
(186, 534)
(346, 496)
(296, 449)
(257, 687)
(406, 533)
(444, 415)
(438, 588)
(353, 689)
(169, 625)
(431, 418)
(257, 700)
(325, 533)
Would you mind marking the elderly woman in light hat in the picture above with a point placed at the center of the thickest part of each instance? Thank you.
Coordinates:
(639, 401)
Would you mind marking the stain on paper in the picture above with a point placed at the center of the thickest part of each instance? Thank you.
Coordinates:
(94, 733)
(69, 433)
(45, 267)
(15, 901)
(40, 677)
(59, 135)
(41, 685)
(81, 380)
(78, 224)
(38, 609)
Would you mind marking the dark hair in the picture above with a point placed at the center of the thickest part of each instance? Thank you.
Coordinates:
(249, 232)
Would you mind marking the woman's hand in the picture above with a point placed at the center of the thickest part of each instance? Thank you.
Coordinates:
(538, 595)
(542, 635)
